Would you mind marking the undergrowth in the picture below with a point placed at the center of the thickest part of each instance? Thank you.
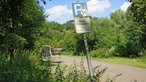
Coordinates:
(27, 66)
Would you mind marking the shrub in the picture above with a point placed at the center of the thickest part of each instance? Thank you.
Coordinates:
(27, 66)
(103, 52)
(24, 67)
(144, 56)
(127, 50)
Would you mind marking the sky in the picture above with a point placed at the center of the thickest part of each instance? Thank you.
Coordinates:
(61, 10)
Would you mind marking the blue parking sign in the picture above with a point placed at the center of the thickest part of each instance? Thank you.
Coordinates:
(79, 9)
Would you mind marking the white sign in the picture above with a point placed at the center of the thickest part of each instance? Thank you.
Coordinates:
(82, 25)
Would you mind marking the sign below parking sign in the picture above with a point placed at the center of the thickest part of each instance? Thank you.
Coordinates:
(82, 25)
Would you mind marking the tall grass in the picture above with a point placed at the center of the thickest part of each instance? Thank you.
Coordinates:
(27, 66)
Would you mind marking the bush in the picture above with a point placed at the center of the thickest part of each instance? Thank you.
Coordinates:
(103, 52)
(23, 68)
(130, 49)
(143, 56)
(27, 66)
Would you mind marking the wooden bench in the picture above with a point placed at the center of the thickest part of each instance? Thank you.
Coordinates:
(56, 51)
(56, 55)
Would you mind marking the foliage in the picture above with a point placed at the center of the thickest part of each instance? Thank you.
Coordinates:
(52, 34)
(143, 55)
(129, 39)
(117, 36)
(19, 23)
(138, 8)
(98, 53)
(22, 26)
(103, 52)
(27, 66)
(69, 41)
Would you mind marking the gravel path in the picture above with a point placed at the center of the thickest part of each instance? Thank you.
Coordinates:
(129, 73)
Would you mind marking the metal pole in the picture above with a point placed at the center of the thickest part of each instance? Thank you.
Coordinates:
(88, 58)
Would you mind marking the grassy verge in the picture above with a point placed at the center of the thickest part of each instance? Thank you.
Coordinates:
(27, 66)
(138, 62)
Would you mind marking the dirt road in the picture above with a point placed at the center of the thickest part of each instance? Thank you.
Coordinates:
(129, 73)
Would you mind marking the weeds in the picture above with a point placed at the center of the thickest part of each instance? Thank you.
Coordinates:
(114, 78)
(27, 66)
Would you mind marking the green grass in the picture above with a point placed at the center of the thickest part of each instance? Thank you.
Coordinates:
(138, 62)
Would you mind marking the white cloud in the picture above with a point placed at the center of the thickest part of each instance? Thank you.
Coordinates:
(57, 13)
(97, 6)
(125, 6)
(62, 13)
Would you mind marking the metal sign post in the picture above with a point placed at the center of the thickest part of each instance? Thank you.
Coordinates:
(82, 24)
(88, 58)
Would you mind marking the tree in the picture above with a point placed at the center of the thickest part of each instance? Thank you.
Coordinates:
(20, 21)
(104, 33)
(128, 40)
(133, 32)
(138, 8)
